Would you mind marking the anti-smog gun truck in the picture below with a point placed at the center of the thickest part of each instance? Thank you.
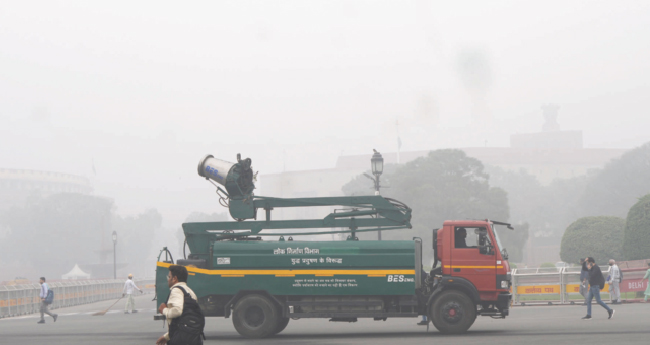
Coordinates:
(262, 284)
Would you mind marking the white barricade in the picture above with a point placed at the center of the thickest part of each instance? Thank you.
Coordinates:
(549, 285)
(24, 299)
(534, 285)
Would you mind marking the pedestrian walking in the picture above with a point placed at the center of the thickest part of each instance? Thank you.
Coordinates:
(129, 289)
(424, 321)
(647, 290)
(180, 307)
(596, 283)
(43, 295)
(614, 280)
(584, 280)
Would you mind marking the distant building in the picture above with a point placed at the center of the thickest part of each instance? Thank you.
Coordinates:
(551, 137)
(547, 155)
(545, 164)
(16, 185)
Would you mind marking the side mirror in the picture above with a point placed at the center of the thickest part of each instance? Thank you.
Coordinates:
(486, 249)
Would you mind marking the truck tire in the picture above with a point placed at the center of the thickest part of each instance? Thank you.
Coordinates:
(282, 324)
(255, 316)
(452, 312)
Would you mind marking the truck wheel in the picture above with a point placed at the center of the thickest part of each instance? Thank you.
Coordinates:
(453, 312)
(282, 324)
(254, 316)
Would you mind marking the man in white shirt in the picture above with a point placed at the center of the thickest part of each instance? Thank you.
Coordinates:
(43, 296)
(129, 288)
(177, 276)
(614, 280)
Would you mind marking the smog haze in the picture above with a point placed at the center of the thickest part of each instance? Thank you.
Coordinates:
(130, 95)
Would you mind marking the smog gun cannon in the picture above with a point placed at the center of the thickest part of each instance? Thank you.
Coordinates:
(264, 284)
(367, 213)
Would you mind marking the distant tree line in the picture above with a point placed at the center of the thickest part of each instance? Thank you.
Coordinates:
(446, 184)
(621, 189)
(54, 233)
(607, 237)
(606, 196)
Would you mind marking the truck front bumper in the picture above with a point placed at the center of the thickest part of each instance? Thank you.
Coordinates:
(503, 303)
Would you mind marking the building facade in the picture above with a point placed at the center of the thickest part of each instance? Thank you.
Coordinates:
(17, 185)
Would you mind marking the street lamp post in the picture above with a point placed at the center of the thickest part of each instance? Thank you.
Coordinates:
(377, 165)
(114, 261)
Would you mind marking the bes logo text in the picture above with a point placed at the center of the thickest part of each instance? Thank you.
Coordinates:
(212, 171)
(399, 278)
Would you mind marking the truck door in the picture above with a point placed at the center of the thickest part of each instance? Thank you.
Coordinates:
(471, 260)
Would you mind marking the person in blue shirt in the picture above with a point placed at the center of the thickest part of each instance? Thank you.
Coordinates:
(43, 295)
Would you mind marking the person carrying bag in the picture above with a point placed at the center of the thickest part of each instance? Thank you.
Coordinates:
(182, 311)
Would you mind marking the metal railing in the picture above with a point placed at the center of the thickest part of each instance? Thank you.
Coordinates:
(24, 299)
(548, 285)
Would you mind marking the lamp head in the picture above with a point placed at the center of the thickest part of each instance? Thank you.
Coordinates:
(377, 164)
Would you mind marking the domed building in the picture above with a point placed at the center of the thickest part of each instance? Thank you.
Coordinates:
(17, 185)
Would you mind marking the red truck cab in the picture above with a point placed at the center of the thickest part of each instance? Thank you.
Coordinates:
(474, 261)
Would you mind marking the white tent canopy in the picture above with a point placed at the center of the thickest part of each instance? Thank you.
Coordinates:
(76, 273)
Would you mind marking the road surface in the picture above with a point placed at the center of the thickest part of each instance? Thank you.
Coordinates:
(548, 325)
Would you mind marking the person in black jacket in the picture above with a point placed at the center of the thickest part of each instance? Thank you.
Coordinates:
(596, 283)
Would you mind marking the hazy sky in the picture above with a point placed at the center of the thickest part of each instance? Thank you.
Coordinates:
(145, 89)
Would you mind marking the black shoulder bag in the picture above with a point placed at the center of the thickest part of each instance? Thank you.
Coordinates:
(187, 329)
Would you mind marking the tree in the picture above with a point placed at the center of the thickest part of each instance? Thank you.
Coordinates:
(514, 240)
(599, 237)
(557, 209)
(446, 184)
(546, 210)
(618, 186)
(636, 237)
(135, 234)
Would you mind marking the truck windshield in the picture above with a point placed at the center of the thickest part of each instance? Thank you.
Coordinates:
(504, 253)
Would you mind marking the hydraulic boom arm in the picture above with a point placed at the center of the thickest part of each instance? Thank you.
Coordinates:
(361, 214)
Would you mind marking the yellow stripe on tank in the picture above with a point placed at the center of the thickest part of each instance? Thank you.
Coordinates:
(291, 273)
